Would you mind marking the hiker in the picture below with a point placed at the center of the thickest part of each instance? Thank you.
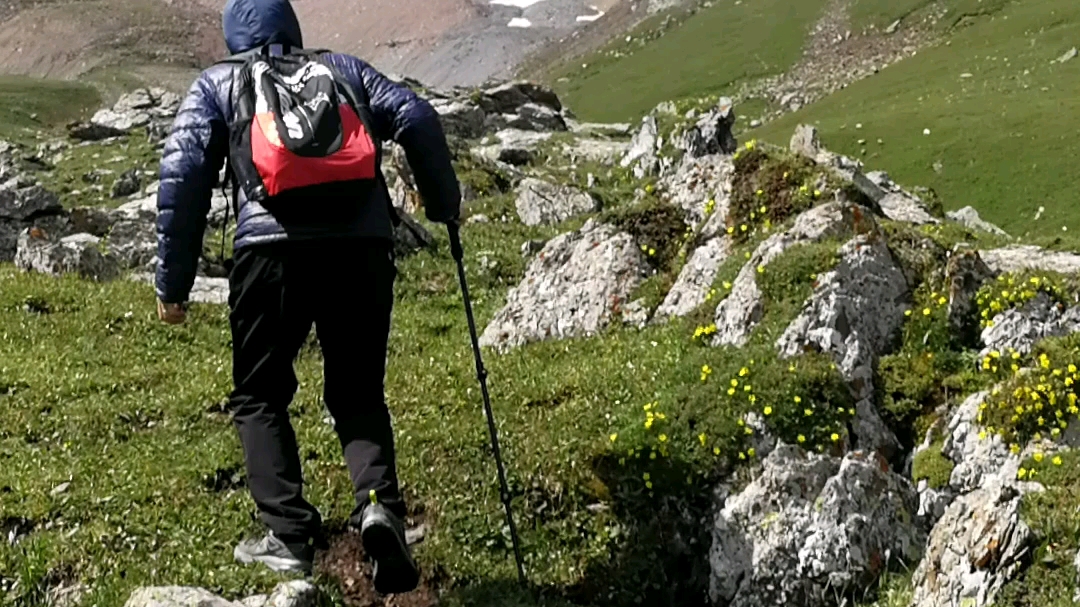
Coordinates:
(319, 254)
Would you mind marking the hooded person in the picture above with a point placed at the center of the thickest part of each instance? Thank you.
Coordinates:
(291, 272)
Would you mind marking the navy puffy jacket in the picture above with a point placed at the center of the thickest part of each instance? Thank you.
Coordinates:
(198, 146)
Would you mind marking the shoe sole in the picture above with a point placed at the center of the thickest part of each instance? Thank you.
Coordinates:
(395, 570)
(275, 563)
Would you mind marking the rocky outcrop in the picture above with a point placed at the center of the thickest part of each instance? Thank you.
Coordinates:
(965, 274)
(695, 279)
(288, 594)
(152, 109)
(76, 254)
(969, 217)
(739, 313)
(974, 550)
(1017, 258)
(711, 134)
(898, 204)
(643, 149)
(1021, 328)
(696, 182)
(542, 203)
(855, 314)
(575, 286)
(810, 528)
(24, 203)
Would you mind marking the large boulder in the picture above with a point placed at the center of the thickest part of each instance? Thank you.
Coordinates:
(691, 288)
(643, 148)
(965, 274)
(577, 285)
(898, 204)
(152, 109)
(979, 459)
(741, 311)
(540, 202)
(76, 254)
(696, 182)
(712, 132)
(855, 314)
(508, 98)
(460, 118)
(1021, 328)
(810, 528)
(978, 546)
(1018, 258)
(24, 204)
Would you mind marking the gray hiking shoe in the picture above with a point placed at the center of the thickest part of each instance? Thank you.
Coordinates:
(383, 535)
(276, 554)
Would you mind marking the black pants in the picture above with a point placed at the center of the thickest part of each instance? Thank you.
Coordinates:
(277, 291)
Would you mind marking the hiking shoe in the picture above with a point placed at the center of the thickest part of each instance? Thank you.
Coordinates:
(276, 554)
(383, 535)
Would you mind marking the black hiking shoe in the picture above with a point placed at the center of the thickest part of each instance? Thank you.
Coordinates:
(276, 554)
(383, 535)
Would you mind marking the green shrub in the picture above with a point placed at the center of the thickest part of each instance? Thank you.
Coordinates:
(932, 466)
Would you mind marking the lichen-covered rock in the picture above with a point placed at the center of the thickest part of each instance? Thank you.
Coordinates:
(741, 311)
(806, 142)
(969, 217)
(22, 199)
(508, 98)
(1021, 328)
(810, 528)
(979, 459)
(574, 287)
(535, 117)
(77, 254)
(1017, 258)
(898, 204)
(643, 148)
(410, 237)
(540, 202)
(460, 118)
(855, 314)
(712, 132)
(695, 279)
(695, 182)
(298, 593)
(176, 596)
(974, 550)
(510, 142)
(604, 151)
(126, 184)
(965, 274)
(152, 108)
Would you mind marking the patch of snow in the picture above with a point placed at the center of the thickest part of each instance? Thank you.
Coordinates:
(519, 22)
(590, 18)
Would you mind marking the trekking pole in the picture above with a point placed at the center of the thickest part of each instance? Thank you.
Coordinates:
(481, 374)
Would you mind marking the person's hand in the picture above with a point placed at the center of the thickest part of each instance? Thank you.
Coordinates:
(171, 313)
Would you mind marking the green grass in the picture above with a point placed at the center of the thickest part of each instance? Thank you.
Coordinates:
(29, 105)
(1003, 138)
(79, 177)
(708, 53)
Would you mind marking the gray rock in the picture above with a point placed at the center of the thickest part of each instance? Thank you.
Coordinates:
(205, 289)
(593, 128)
(509, 97)
(126, 184)
(969, 217)
(78, 254)
(974, 550)
(712, 133)
(539, 202)
(695, 182)
(133, 242)
(299, 593)
(810, 528)
(740, 312)
(1021, 328)
(806, 142)
(695, 279)
(534, 117)
(176, 596)
(899, 204)
(573, 287)
(1076, 565)
(603, 151)
(855, 314)
(1017, 258)
(460, 118)
(643, 148)
(23, 200)
(410, 237)
(122, 121)
(965, 274)
(978, 462)
(511, 141)
(1068, 56)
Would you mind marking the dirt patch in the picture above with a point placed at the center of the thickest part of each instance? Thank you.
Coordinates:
(345, 563)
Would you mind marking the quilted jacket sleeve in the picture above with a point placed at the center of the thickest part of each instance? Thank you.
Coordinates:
(404, 117)
(194, 153)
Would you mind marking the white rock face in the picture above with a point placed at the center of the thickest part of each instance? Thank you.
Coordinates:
(811, 527)
(969, 217)
(695, 279)
(539, 202)
(1017, 258)
(855, 314)
(578, 284)
(1021, 328)
(741, 311)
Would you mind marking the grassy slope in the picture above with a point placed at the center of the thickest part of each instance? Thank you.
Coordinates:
(714, 49)
(33, 104)
(1003, 137)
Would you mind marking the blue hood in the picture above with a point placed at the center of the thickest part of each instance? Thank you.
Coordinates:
(250, 24)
